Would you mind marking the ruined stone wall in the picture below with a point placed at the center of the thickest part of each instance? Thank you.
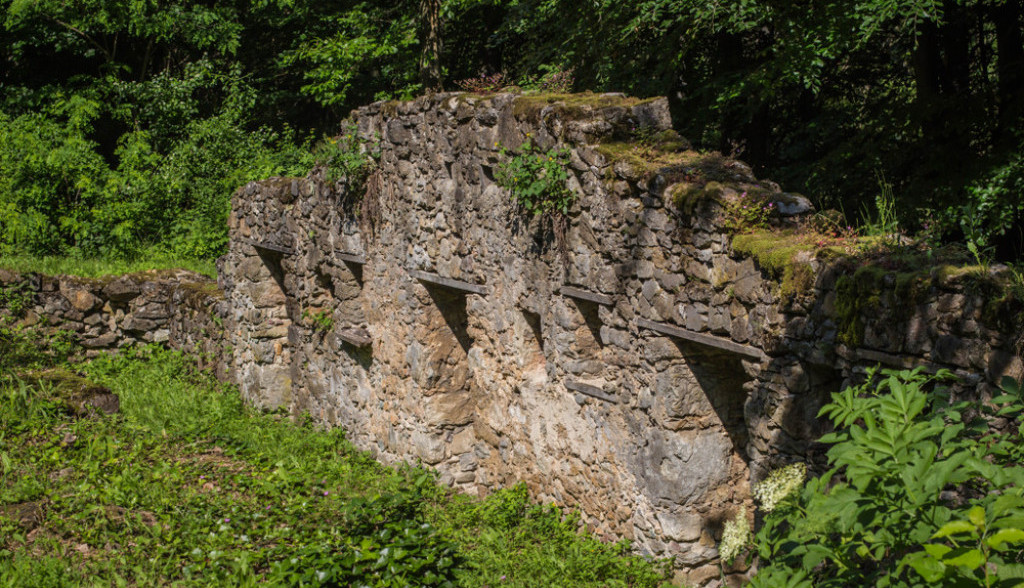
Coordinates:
(630, 364)
(179, 308)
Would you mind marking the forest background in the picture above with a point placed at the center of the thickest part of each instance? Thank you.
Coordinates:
(125, 125)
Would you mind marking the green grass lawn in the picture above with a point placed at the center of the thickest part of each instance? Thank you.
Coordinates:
(185, 486)
(94, 268)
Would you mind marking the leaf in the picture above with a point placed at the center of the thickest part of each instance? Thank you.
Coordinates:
(955, 528)
(937, 550)
(977, 516)
(971, 559)
(929, 568)
(999, 539)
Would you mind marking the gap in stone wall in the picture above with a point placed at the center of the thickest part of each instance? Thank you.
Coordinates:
(356, 269)
(452, 306)
(269, 380)
(721, 378)
(535, 358)
(439, 359)
(272, 260)
(591, 318)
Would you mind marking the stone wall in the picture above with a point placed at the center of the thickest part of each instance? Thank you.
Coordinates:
(632, 365)
(629, 362)
(179, 308)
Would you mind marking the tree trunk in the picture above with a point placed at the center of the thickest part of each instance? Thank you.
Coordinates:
(1009, 64)
(926, 63)
(430, 36)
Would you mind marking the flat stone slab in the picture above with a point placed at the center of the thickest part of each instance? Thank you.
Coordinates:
(586, 295)
(702, 339)
(350, 257)
(357, 337)
(449, 283)
(268, 246)
(591, 390)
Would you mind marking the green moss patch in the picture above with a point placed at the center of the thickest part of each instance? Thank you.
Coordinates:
(527, 107)
(786, 255)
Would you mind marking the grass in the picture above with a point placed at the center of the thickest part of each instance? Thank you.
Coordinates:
(188, 487)
(95, 268)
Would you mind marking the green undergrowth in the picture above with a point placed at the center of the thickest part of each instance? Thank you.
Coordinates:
(97, 267)
(188, 487)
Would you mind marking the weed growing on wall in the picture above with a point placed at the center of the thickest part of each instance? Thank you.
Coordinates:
(319, 320)
(747, 212)
(347, 157)
(536, 178)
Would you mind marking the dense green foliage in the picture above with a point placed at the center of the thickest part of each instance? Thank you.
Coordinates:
(922, 491)
(187, 486)
(536, 178)
(125, 126)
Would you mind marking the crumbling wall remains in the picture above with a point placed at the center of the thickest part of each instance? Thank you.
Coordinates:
(632, 365)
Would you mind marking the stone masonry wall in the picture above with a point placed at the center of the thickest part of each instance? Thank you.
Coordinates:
(179, 308)
(629, 363)
(632, 366)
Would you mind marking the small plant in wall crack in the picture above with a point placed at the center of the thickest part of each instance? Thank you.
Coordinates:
(347, 156)
(747, 212)
(536, 178)
(319, 320)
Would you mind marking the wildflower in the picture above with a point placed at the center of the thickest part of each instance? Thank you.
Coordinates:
(735, 537)
(779, 484)
(326, 492)
(227, 520)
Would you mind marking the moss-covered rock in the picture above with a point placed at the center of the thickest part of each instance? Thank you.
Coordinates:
(80, 396)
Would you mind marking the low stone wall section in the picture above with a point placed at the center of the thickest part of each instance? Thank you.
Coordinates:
(181, 309)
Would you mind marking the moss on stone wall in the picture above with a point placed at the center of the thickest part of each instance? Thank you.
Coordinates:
(787, 255)
(527, 107)
(645, 160)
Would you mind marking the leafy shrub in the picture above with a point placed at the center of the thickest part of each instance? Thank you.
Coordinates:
(921, 492)
(346, 156)
(536, 179)
(994, 205)
(160, 193)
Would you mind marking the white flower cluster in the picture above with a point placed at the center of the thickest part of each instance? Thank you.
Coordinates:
(779, 484)
(735, 537)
